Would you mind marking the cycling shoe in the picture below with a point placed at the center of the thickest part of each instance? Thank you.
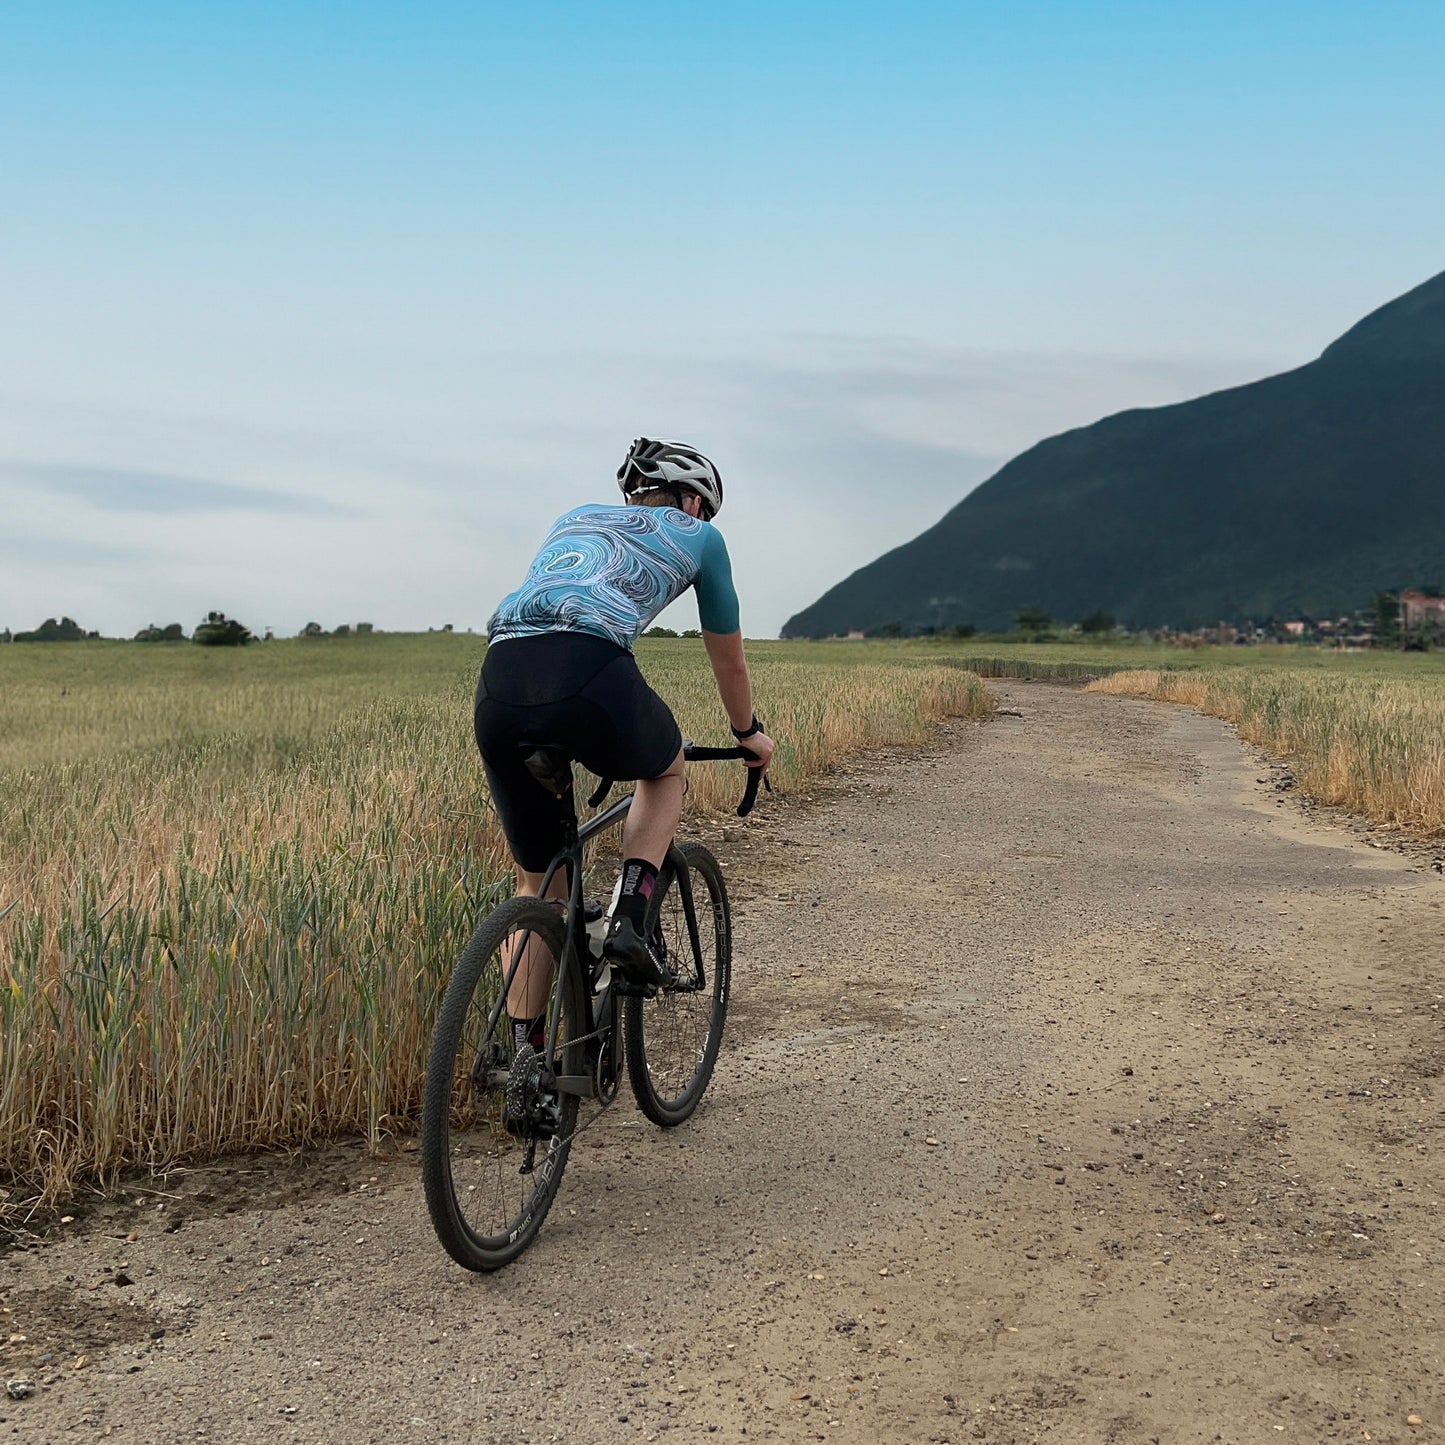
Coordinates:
(627, 950)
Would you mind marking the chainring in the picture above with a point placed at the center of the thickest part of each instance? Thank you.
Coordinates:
(607, 1065)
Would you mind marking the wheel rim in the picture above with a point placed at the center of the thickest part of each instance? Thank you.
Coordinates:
(678, 1024)
(496, 1202)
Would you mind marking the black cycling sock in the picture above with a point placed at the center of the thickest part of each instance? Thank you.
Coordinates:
(529, 1031)
(639, 878)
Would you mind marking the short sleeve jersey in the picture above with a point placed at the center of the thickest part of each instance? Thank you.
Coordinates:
(610, 571)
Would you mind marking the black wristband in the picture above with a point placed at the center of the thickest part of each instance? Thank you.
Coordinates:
(753, 727)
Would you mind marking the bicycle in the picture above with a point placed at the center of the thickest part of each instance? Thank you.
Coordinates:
(490, 1105)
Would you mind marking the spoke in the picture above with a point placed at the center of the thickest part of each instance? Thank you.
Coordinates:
(678, 1022)
(487, 1160)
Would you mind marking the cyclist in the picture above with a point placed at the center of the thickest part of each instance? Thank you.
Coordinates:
(559, 669)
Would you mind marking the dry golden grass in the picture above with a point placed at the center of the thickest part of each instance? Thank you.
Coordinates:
(1373, 744)
(227, 922)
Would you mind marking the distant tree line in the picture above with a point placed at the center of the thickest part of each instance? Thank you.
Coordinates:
(1416, 624)
(362, 629)
(66, 630)
(1031, 623)
(217, 630)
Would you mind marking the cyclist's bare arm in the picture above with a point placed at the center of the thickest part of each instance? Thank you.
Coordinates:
(730, 668)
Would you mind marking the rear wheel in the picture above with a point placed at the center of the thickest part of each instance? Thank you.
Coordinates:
(495, 1135)
(673, 1039)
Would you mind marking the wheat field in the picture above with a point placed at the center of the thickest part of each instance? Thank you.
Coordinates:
(232, 883)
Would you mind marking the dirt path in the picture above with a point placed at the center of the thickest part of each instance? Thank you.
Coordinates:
(1077, 1086)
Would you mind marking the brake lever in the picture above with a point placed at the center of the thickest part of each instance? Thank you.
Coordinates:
(756, 777)
(750, 793)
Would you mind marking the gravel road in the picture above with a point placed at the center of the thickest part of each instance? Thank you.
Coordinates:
(1079, 1085)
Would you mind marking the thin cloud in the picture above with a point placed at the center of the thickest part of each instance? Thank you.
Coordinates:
(835, 450)
(121, 489)
(65, 552)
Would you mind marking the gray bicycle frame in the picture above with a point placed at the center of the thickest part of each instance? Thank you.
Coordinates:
(570, 857)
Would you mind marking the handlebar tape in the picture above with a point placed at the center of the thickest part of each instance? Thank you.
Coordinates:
(757, 777)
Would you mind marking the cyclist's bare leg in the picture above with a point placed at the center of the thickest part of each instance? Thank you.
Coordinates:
(656, 810)
(532, 984)
(646, 836)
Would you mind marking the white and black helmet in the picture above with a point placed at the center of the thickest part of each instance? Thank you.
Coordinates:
(650, 466)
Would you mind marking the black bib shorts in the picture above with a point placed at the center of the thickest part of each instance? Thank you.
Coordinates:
(575, 691)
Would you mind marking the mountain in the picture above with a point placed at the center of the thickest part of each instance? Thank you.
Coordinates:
(1304, 493)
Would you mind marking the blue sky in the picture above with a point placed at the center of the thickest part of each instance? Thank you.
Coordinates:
(323, 311)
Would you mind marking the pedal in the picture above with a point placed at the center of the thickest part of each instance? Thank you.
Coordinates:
(625, 987)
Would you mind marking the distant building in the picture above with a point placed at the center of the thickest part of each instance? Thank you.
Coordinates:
(1419, 609)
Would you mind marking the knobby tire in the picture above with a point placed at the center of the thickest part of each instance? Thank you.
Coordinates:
(470, 1163)
(672, 1040)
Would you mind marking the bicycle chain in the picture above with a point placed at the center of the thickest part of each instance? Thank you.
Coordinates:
(601, 1110)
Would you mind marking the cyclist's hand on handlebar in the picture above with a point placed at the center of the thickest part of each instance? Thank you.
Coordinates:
(761, 746)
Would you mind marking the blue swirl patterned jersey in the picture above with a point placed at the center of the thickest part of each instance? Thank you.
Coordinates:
(610, 570)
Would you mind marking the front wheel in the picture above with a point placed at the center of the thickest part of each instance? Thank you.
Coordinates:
(673, 1039)
(495, 1135)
